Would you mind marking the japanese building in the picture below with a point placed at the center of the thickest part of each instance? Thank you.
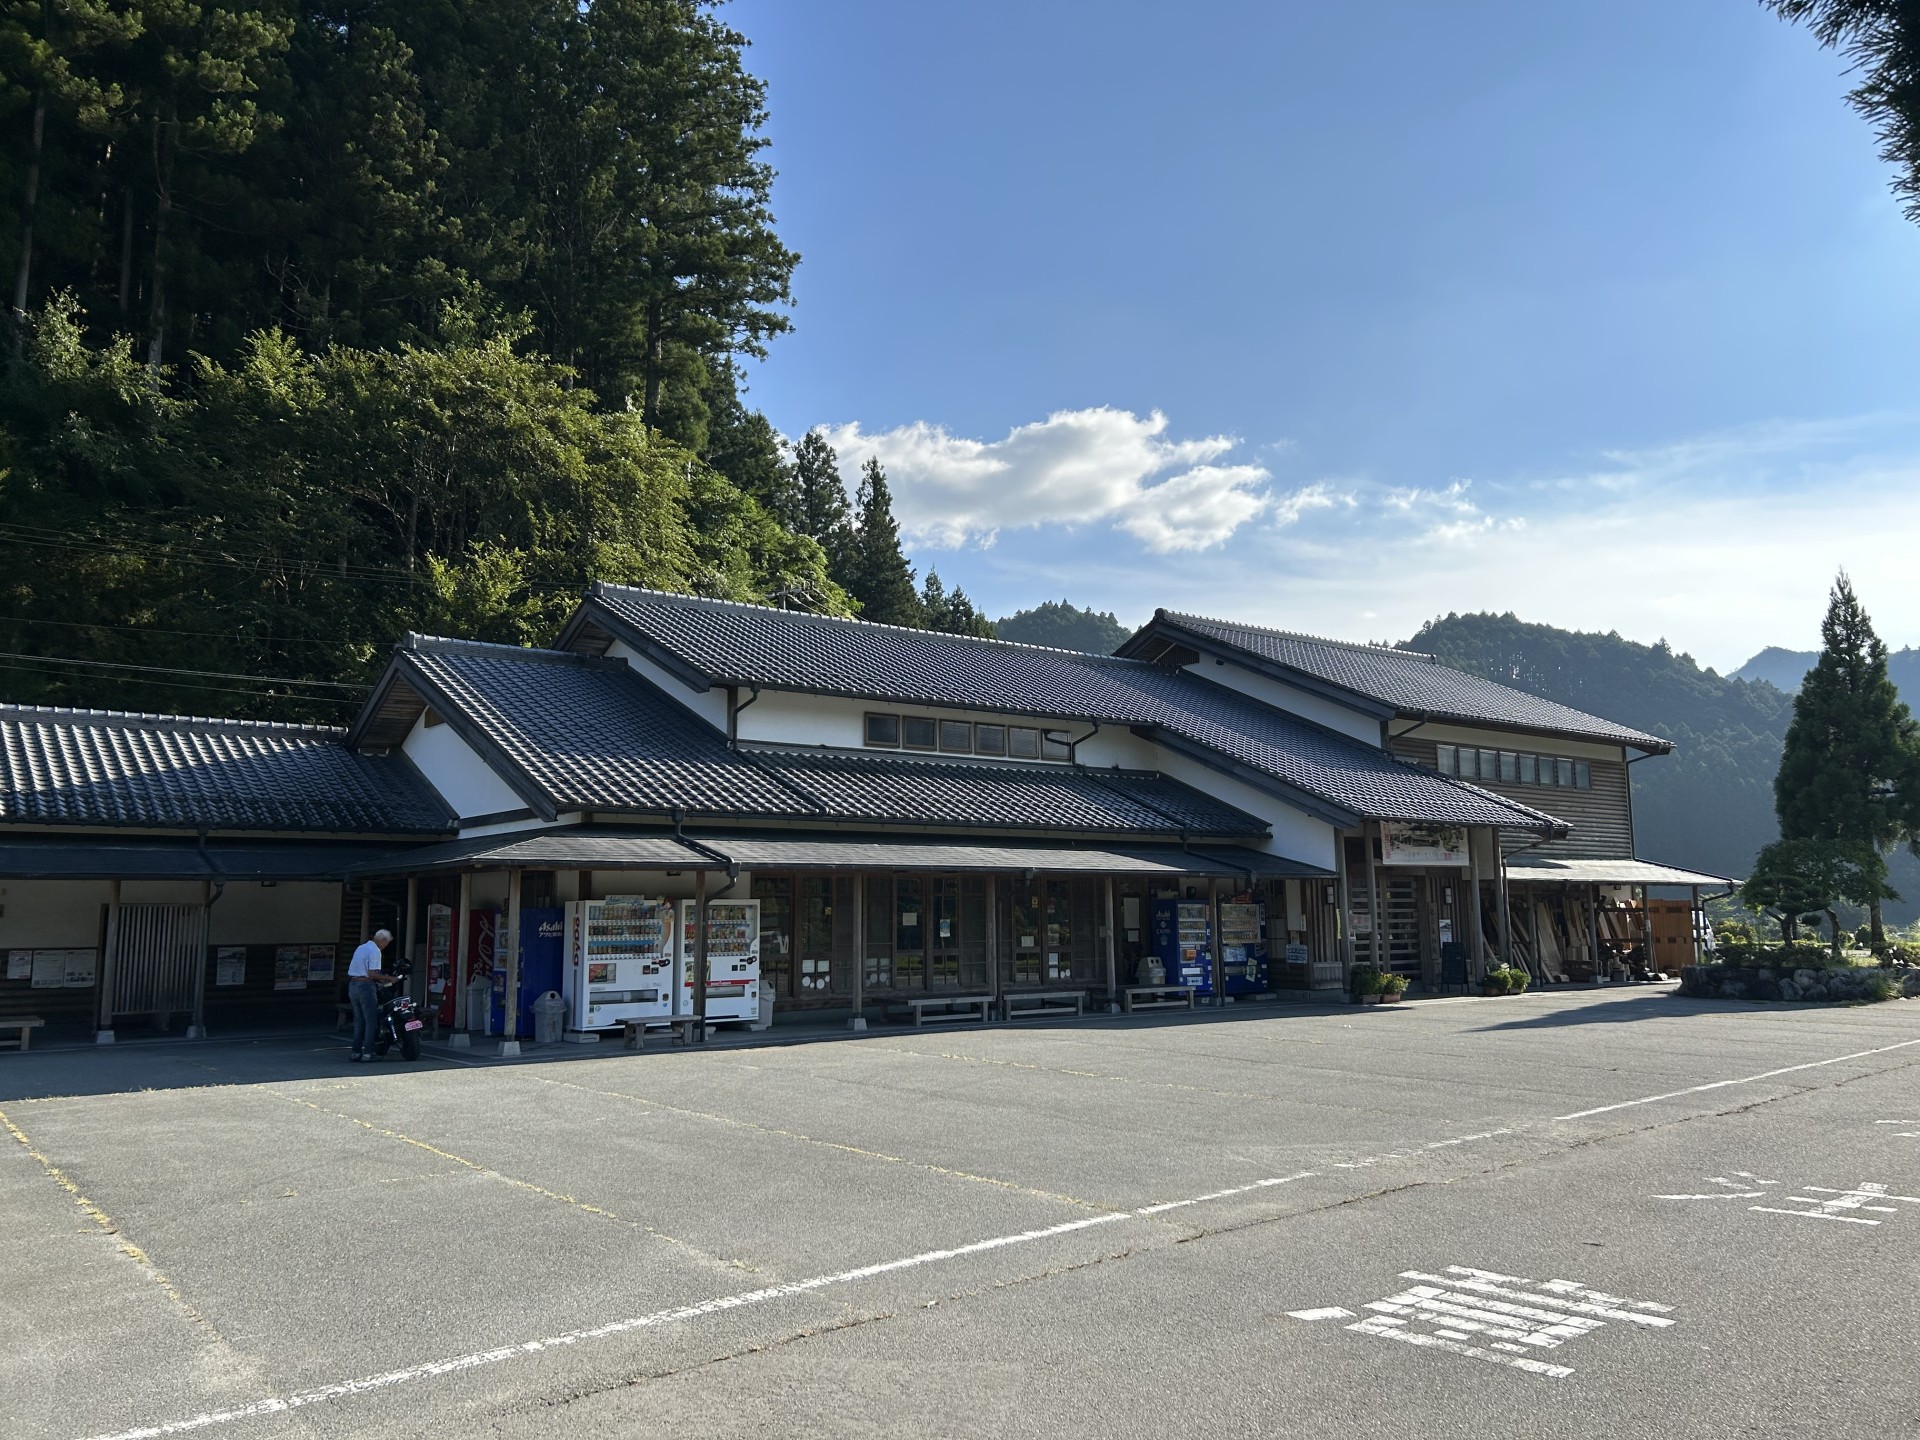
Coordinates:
(916, 815)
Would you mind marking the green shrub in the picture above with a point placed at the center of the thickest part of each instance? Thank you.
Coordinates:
(1517, 980)
(1495, 980)
(1366, 980)
(1391, 984)
(1881, 987)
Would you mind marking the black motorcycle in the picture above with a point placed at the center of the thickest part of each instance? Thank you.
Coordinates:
(399, 1022)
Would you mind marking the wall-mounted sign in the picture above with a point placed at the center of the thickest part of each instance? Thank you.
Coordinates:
(1415, 842)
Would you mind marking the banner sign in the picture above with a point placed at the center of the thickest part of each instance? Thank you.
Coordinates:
(1414, 842)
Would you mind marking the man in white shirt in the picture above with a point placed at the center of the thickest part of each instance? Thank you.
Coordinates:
(363, 974)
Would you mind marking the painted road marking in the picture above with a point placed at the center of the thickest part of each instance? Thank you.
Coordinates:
(1500, 1319)
(1843, 1201)
(1902, 1134)
(275, 1405)
(1743, 1080)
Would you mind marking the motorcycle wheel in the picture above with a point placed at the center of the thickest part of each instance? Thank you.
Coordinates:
(410, 1047)
(380, 1045)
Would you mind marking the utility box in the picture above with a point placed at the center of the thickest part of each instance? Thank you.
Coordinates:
(479, 1000)
(763, 1020)
(549, 1018)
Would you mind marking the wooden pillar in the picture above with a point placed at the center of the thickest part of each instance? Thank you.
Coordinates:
(700, 954)
(1646, 916)
(109, 965)
(1343, 918)
(197, 1025)
(463, 909)
(1213, 941)
(510, 1010)
(1376, 942)
(1113, 958)
(1593, 930)
(1477, 946)
(366, 912)
(416, 980)
(993, 936)
(1505, 902)
(1695, 923)
(859, 1017)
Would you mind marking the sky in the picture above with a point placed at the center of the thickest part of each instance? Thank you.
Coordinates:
(1340, 318)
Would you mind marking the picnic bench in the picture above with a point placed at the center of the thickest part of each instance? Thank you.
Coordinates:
(23, 1027)
(1026, 1005)
(948, 1007)
(680, 1029)
(1156, 997)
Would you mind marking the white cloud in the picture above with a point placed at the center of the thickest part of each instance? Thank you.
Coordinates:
(1076, 467)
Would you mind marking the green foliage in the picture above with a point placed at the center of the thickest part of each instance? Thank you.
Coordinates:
(1881, 41)
(1064, 627)
(1517, 980)
(1735, 933)
(1363, 980)
(293, 515)
(878, 575)
(1390, 983)
(951, 611)
(1506, 980)
(1791, 878)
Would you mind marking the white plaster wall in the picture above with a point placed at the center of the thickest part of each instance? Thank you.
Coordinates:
(1295, 701)
(467, 783)
(709, 705)
(60, 914)
(1510, 740)
(785, 717)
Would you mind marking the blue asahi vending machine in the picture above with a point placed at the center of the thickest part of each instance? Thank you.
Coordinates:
(1183, 943)
(1243, 948)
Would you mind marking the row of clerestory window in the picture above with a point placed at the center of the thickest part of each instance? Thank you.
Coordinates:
(1508, 767)
(886, 731)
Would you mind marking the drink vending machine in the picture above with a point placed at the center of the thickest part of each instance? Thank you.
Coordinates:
(1243, 948)
(619, 961)
(1183, 943)
(733, 960)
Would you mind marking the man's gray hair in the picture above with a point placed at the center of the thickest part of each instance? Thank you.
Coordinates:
(383, 935)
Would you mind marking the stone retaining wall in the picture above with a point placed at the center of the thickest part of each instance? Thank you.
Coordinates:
(1768, 982)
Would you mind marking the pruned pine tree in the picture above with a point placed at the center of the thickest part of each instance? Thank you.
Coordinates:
(951, 611)
(1850, 768)
(881, 579)
(1795, 878)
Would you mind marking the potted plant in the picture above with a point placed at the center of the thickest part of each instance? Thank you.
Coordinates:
(1494, 982)
(1517, 980)
(1391, 987)
(1365, 985)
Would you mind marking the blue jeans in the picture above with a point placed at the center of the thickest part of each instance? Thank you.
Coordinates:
(366, 1014)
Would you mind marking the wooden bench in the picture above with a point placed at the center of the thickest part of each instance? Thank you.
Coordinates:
(680, 1029)
(1031, 1003)
(949, 1007)
(23, 1027)
(1156, 997)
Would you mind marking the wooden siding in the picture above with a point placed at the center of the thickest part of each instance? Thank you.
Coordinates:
(1600, 820)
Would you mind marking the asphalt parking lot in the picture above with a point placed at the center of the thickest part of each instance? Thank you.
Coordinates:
(1575, 1214)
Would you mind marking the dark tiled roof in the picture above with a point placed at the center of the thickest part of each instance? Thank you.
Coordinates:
(107, 768)
(1411, 682)
(1025, 797)
(592, 735)
(750, 644)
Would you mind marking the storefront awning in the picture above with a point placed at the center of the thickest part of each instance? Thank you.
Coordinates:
(42, 857)
(1608, 872)
(578, 849)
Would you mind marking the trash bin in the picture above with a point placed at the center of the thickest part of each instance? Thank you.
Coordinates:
(479, 1004)
(764, 1018)
(549, 1018)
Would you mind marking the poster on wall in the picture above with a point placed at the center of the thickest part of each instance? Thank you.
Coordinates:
(19, 964)
(77, 968)
(439, 948)
(229, 965)
(1414, 842)
(49, 969)
(290, 967)
(320, 963)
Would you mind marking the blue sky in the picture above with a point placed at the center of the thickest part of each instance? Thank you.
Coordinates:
(1343, 317)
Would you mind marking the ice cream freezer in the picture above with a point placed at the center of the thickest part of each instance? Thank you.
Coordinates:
(733, 959)
(620, 961)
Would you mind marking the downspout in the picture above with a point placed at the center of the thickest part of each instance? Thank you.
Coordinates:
(1073, 746)
(733, 714)
(1633, 837)
(698, 848)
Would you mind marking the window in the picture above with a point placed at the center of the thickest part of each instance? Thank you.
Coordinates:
(1465, 768)
(1582, 775)
(1443, 761)
(1023, 742)
(956, 737)
(883, 730)
(775, 894)
(1054, 746)
(1509, 767)
(1563, 773)
(989, 739)
(1529, 769)
(1489, 764)
(917, 732)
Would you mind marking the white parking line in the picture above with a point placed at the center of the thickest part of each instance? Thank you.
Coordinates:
(1743, 1080)
(274, 1405)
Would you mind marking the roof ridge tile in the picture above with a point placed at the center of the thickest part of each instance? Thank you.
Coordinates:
(154, 720)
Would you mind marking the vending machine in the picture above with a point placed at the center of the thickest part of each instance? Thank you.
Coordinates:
(733, 960)
(1183, 943)
(1243, 948)
(619, 961)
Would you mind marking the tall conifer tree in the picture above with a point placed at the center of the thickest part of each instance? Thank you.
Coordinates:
(820, 505)
(1850, 769)
(882, 580)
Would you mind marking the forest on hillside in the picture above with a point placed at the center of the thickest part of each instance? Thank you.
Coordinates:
(1709, 804)
(331, 321)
